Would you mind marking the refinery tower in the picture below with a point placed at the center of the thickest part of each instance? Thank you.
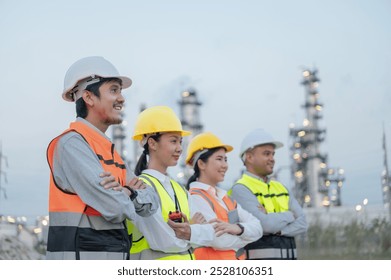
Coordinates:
(315, 183)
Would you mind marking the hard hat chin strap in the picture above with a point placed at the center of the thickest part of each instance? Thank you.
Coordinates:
(243, 157)
(78, 90)
(146, 137)
(197, 156)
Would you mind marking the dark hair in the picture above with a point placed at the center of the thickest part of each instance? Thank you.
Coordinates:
(81, 107)
(142, 161)
(204, 157)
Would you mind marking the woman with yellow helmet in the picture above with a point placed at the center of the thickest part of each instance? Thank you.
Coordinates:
(167, 234)
(234, 226)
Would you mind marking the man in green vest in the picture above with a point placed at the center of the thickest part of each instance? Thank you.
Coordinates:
(280, 214)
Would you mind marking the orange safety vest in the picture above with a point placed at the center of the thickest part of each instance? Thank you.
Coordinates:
(209, 253)
(70, 233)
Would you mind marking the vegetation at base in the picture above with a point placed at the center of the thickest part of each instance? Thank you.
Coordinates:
(354, 241)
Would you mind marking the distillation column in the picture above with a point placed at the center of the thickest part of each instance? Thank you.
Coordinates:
(2, 173)
(312, 136)
(314, 180)
(190, 119)
(386, 179)
(118, 137)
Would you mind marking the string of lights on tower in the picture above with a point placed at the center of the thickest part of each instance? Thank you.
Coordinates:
(3, 174)
(190, 118)
(386, 179)
(315, 183)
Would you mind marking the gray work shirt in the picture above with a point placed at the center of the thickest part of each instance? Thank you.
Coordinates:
(289, 223)
(76, 169)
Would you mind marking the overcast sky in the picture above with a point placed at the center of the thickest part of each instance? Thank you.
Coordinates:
(244, 58)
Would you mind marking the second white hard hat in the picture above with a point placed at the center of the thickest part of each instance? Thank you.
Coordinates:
(90, 67)
(255, 138)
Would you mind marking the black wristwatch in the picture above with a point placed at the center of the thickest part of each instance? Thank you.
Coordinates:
(133, 193)
(242, 228)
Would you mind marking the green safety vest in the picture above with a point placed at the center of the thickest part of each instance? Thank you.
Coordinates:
(140, 248)
(275, 198)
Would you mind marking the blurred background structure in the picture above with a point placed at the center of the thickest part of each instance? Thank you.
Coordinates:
(316, 184)
(335, 232)
(224, 66)
(386, 179)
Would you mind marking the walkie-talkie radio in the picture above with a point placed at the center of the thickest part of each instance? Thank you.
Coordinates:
(175, 216)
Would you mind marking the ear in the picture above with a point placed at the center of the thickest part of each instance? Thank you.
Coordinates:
(201, 164)
(248, 156)
(152, 144)
(88, 98)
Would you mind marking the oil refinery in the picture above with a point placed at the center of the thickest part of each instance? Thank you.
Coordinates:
(316, 183)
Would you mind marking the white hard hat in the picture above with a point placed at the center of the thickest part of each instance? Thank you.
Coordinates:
(255, 138)
(93, 67)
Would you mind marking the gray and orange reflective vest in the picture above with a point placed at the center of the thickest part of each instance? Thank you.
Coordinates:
(76, 230)
(209, 253)
(140, 249)
(275, 198)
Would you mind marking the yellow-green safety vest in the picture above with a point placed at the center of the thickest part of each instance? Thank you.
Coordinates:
(273, 196)
(140, 248)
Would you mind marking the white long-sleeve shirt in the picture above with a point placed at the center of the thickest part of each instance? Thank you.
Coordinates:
(252, 227)
(160, 236)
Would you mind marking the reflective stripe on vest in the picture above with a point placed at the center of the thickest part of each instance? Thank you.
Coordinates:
(70, 219)
(272, 254)
(140, 248)
(275, 198)
(271, 247)
(209, 253)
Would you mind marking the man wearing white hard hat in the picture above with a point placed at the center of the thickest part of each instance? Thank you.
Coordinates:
(91, 191)
(280, 214)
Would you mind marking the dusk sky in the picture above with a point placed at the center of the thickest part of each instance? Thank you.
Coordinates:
(244, 58)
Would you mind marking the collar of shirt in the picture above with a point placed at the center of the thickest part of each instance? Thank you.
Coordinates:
(215, 192)
(78, 119)
(163, 179)
(257, 177)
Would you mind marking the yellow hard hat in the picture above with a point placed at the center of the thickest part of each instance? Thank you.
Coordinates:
(204, 141)
(157, 119)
